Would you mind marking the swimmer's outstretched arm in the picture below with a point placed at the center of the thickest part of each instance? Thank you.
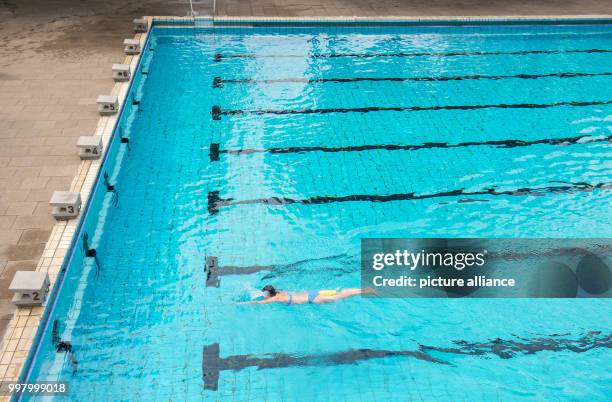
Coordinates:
(264, 301)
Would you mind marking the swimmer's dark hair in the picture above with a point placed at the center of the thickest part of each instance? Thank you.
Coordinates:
(270, 289)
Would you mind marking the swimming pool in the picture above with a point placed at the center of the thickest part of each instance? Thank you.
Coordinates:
(285, 147)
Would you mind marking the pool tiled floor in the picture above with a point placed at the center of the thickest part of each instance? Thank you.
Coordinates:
(55, 60)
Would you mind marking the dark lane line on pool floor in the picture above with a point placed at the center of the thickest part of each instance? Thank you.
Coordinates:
(217, 112)
(213, 363)
(215, 151)
(215, 202)
(219, 56)
(218, 81)
(214, 271)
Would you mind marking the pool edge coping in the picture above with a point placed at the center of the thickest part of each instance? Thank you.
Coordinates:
(383, 20)
(21, 340)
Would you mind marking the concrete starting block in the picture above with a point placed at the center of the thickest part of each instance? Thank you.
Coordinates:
(90, 147)
(31, 288)
(141, 25)
(131, 46)
(66, 205)
(121, 72)
(107, 104)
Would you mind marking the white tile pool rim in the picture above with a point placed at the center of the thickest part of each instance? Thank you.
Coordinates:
(21, 340)
(223, 21)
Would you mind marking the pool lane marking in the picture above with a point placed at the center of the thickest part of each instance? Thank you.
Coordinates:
(215, 151)
(507, 349)
(213, 363)
(217, 112)
(219, 56)
(218, 81)
(215, 202)
(214, 272)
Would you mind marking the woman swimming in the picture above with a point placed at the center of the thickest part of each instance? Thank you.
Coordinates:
(271, 295)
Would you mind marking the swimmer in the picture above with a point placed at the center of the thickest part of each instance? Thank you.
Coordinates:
(272, 295)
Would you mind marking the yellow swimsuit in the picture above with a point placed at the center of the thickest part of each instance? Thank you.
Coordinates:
(312, 294)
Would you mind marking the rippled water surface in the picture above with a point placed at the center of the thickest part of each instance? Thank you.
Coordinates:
(324, 137)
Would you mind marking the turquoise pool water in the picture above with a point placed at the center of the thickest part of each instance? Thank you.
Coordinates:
(287, 146)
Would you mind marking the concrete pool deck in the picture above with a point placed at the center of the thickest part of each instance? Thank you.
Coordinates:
(409, 8)
(56, 57)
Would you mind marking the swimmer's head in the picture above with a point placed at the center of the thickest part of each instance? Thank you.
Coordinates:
(269, 291)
